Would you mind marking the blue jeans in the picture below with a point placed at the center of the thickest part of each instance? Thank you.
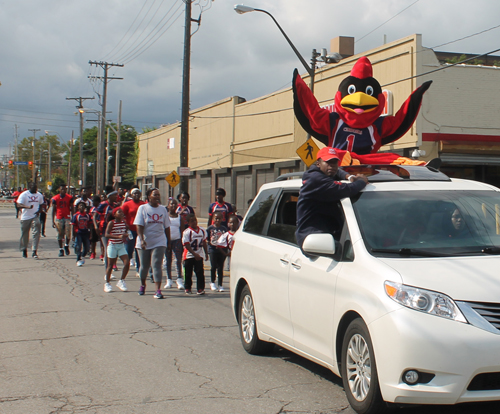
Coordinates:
(82, 239)
(131, 248)
(177, 250)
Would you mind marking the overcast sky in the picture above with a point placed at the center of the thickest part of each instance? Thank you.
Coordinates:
(47, 46)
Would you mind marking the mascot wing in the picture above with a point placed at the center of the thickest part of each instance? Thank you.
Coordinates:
(314, 120)
(394, 127)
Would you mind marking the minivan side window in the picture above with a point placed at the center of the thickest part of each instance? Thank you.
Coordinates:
(284, 221)
(259, 211)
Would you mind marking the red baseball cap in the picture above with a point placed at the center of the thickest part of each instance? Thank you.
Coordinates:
(327, 153)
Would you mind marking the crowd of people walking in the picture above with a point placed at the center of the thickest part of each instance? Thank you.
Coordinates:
(142, 233)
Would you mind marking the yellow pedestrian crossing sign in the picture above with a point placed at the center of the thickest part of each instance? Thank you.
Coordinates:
(308, 151)
(173, 179)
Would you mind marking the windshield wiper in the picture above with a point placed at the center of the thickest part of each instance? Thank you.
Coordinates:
(411, 252)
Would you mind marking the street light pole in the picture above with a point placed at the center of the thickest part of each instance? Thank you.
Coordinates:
(241, 9)
(311, 70)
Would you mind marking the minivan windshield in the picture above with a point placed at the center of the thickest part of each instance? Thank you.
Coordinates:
(429, 223)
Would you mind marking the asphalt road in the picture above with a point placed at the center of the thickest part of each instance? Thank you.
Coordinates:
(68, 347)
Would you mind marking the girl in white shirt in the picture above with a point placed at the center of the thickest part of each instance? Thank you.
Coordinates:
(176, 229)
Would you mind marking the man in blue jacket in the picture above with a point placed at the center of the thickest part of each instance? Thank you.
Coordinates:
(321, 189)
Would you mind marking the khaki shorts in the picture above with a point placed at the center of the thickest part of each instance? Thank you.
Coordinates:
(63, 228)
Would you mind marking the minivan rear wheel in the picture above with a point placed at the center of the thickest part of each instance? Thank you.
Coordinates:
(359, 370)
(248, 325)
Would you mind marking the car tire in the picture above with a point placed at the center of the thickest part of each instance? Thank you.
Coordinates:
(248, 325)
(359, 370)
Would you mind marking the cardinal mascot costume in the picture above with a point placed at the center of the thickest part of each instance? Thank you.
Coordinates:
(356, 127)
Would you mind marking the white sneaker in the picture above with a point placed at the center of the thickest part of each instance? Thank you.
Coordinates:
(221, 288)
(107, 287)
(180, 283)
(213, 286)
(168, 285)
(121, 285)
(112, 277)
(80, 263)
(132, 262)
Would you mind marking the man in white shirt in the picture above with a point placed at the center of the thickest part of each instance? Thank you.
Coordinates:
(31, 202)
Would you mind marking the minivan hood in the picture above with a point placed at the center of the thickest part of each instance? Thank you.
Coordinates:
(472, 279)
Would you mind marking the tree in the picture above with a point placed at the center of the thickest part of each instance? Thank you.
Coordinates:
(42, 146)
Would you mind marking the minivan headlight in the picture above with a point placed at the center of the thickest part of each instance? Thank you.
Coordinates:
(424, 300)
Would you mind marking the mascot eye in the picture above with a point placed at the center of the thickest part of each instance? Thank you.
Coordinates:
(369, 90)
(351, 89)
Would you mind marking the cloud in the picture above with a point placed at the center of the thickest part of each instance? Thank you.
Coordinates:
(50, 44)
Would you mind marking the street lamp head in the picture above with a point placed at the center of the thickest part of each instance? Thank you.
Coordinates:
(240, 9)
(333, 58)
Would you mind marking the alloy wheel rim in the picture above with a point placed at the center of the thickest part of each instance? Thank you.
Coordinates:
(359, 367)
(247, 319)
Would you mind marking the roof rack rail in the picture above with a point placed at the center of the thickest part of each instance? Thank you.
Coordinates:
(289, 176)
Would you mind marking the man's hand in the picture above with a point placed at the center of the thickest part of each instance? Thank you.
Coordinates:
(360, 177)
(197, 256)
(143, 244)
(53, 225)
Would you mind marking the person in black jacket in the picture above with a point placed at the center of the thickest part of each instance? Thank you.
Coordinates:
(321, 188)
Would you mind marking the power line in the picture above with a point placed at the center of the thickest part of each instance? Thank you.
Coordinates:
(387, 21)
(109, 55)
(151, 41)
(127, 51)
(467, 37)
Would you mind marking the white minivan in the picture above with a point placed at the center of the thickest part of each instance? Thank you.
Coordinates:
(404, 306)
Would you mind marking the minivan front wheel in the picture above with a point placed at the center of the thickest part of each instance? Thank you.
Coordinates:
(359, 370)
(248, 325)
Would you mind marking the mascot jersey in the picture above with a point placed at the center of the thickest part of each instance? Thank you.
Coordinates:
(356, 126)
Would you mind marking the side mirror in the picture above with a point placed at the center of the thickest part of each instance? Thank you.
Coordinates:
(319, 244)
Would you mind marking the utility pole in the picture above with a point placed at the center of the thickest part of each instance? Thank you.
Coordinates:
(108, 147)
(33, 176)
(16, 157)
(118, 141)
(50, 163)
(100, 140)
(81, 112)
(69, 159)
(184, 147)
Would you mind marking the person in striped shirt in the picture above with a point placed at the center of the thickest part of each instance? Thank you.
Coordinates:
(117, 235)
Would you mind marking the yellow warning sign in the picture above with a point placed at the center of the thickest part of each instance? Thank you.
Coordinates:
(308, 151)
(173, 179)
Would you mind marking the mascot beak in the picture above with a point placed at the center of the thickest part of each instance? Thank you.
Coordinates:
(359, 103)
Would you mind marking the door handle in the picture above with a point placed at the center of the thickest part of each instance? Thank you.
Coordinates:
(284, 260)
(296, 266)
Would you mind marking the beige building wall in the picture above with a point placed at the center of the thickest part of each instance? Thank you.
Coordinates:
(242, 144)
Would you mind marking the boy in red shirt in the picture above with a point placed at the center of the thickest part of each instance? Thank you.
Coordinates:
(61, 218)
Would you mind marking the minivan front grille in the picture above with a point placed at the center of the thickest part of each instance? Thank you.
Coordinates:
(489, 311)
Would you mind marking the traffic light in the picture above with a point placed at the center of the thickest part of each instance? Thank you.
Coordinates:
(30, 165)
(11, 164)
